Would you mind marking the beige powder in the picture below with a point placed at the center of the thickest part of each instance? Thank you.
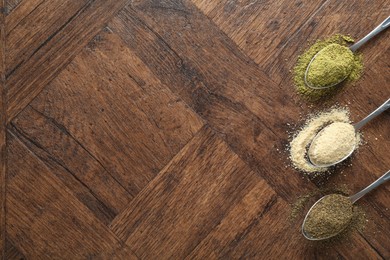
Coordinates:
(333, 143)
(299, 144)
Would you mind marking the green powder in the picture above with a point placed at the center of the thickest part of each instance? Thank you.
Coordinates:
(305, 201)
(329, 216)
(331, 65)
(302, 204)
(335, 45)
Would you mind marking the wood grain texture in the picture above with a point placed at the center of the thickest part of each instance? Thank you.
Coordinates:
(362, 99)
(220, 83)
(199, 209)
(154, 129)
(371, 160)
(12, 253)
(55, 212)
(191, 196)
(3, 119)
(45, 40)
(260, 28)
(79, 170)
(109, 122)
(10, 5)
(268, 233)
(248, 231)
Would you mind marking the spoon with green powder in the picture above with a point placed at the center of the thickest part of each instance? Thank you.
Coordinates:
(337, 141)
(331, 214)
(333, 64)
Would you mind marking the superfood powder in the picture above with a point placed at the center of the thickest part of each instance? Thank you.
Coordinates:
(329, 216)
(305, 58)
(331, 65)
(333, 143)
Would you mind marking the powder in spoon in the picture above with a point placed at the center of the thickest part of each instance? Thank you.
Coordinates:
(331, 66)
(333, 143)
(301, 141)
(329, 216)
(305, 58)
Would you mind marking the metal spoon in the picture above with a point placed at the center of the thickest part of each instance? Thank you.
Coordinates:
(353, 48)
(385, 177)
(357, 127)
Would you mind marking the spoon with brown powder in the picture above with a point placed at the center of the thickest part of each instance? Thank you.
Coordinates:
(331, 214)
(337, 141)
(334, 63)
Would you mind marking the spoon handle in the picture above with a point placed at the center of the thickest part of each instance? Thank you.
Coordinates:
(385, 177)
(378, 29)
(374, 114)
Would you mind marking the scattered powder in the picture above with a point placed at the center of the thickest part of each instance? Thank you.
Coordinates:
(331, 65)
(300, 204)
(299, 144)
(329, 216)
(333, 143)
(304, 60)
(303, 202)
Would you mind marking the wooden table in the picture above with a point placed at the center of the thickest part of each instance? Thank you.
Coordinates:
(157, 129)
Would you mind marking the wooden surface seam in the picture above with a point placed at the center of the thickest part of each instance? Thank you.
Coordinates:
(3, 119)
(159, 129)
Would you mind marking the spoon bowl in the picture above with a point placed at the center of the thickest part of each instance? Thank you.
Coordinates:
(381, 180)
(382, 26)
(357, 127)
(307, 235)
(307, 82)
(349, 133)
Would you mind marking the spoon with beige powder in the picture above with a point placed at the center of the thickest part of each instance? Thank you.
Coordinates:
(331, 214)
(337, 141)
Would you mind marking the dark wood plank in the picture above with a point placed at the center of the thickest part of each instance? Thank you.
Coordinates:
(259, 223)
(45, 220)
(41, 45)
(108, 121)
(191, 196)
(376, 232)
(273, 29)
(171, 28)
(21, 13)
(99, 139)
(251, 231)
(206, 204)
(197, 61)
(77, 168)
(41, 19)
(10, 5)
(12, 253)
(2, 131)
(260, 28)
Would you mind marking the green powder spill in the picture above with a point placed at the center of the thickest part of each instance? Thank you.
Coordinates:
(355, 67)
